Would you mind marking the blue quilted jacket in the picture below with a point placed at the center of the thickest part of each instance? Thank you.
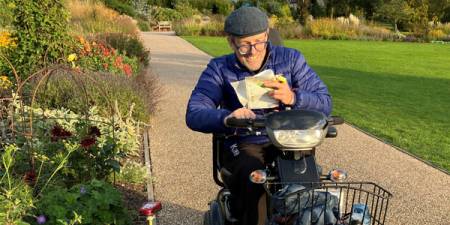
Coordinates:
(214, 89)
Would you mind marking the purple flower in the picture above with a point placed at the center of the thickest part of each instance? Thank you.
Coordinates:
(41, 219)
(83, 190)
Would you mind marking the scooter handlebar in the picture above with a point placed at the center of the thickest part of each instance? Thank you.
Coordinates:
(336, 120)
(245, 123)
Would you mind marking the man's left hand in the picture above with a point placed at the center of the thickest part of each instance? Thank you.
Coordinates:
(281, 92)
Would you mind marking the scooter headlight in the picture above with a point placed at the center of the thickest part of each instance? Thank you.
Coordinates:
(301, 139)
(296, 130)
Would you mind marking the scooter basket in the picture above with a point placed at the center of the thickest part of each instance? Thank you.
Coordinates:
(328, 203)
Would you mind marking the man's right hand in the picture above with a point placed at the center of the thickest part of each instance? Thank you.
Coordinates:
(241, 113)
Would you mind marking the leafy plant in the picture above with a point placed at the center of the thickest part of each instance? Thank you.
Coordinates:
(128, 45)
(132, 172)
(15, 196)
(40, 28)
(96, 202)
(121, 7)
(100, 57)
(144, 25)
(6, 13)
(92, 17)
(136, 97)
(82, 147)
(166, 14)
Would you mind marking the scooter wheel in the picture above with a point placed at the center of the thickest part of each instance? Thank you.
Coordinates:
(214, 215)
(206, 218)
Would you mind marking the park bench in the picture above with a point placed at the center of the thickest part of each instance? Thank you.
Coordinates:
(164, 26)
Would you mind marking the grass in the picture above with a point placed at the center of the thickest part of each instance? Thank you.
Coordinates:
(399, 92)
(92, 17)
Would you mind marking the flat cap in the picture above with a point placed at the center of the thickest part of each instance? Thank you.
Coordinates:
(246, 21)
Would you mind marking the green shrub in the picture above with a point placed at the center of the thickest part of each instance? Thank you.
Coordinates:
(212, 29)
(343, 29)
(289, 29)
(187, 29)
(132, 173)
(143, 25)
(6, 16)
(99, 56)
(121, 7)
(16, 196)
(61, 91)
(41, 31)
(185, 10)
(96, 202)
(128, 45)
(194, 27)
(81, 146)
(166, 14)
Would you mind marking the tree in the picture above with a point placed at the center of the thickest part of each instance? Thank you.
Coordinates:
(337, 8)
(419, 18)
(303, 9)
(369, 7)
(395, 11)
(437, 9)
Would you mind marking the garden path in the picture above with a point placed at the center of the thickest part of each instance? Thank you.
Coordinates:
(182, 158)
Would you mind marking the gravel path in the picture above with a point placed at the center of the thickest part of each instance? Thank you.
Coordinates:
(182, 158)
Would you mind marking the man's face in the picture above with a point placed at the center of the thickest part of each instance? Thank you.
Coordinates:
(250, 50)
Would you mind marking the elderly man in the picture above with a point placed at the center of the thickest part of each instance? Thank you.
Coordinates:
(214, 99)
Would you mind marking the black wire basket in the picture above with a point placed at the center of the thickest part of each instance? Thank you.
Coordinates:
(328, 203)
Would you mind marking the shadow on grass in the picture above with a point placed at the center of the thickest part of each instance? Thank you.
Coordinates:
(408, 111)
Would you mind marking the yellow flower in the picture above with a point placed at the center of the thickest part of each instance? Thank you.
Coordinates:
(72, 57)
(5, 83)
(11, 5)
(6, 41)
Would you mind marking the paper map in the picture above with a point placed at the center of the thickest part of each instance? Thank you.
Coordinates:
(251, 92)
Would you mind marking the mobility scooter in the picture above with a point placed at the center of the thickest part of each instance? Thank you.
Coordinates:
(298, 193)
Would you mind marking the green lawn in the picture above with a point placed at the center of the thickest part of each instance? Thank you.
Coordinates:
(399, 92)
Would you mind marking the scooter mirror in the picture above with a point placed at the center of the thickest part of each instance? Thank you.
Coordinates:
(338, 175)
(258, 176)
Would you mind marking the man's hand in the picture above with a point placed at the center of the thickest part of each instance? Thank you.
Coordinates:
(241, 113)
(281, 92)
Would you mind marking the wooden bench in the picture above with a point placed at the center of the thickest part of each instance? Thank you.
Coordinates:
(164, 26)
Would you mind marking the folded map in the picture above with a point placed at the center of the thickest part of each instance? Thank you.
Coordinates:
(251, 92)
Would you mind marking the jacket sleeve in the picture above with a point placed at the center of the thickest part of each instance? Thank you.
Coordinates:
(311, 92)
(202, 113)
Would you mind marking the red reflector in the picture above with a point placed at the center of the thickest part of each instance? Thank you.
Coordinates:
(150, 208)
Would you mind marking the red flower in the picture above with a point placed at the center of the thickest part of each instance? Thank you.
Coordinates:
(94, 131)
(58, 132)
(30, 177)
(118, 62)
(127, 70)
(87, 142)
(105, 66)
(106, 52)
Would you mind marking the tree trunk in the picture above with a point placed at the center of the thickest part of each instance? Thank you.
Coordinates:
(395, 26)
(303, 9)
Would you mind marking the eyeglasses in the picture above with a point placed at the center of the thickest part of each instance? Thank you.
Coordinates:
(246, 49)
